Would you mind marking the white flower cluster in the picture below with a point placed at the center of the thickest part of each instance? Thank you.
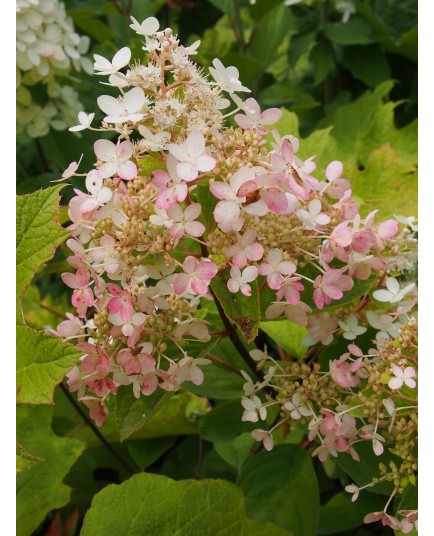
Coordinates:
(47, 49)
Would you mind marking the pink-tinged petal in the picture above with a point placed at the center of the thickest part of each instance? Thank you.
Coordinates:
(334, 170)
(126, 311)
(287, 151)
(252, 107)
(275, 200)
(194, 228)
(189, 265)
(240, 177)
(149, 383)
(206, 270)
(333, 292)
(243, 121)
(409, 372)
(387, 229)
(175, 213)
(233, 285)
(318, 298)
(246, 290)
(199, 286)
(180, 283)
(165, 199)
(250, 274)
(107, 170)
(226, 212)
(255, 252)
(274, 257)
(377, 447)
(82, 278)
(195, 143)
(300, 191)
(90, 204)
(322, 219)
(270, 116)
(395, 383)
(177, 230)
(192, 212)
(114, 289)
(104, 195)
(409, 382)
(160, 178)
(315, 207)
(205, 163)
(287, 268)
(221, 190)
(240, 258)
(105, 150)
(260, 208)
(127, 170)
(187, 171)
(124, 150)
(181, 191)
(88, 297)
(274, 280)
(247, 188)
(70, 280)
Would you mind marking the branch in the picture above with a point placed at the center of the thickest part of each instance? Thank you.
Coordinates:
(95, 430)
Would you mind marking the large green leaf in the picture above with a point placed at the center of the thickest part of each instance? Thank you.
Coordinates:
(340, 514)
(287, 335)
(42, 362)
(132, 413)
(154, 504)
(38, 233)
(40, 489)
(385, 183)
(364, 471)
(367, 63)
(357, 31)
(235, 450)
(24, 460)
(281, 486)
(224, 422)
(243, 311)
(270, 34)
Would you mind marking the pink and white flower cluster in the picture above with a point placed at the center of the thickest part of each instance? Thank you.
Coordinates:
(177, 199)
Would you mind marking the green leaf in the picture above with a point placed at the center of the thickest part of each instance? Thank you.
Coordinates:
(218, 383)
(242, 310)
(154, 504)
(132, 412)
(385, 183)
(287, 335)
(148, 164)
(40, 489)
(226, 6)
(280, 486)
(24, 460)
(364, 471)
(290, 95)
(322, 59)
(148, 451)
(236, 450)
(38, 233)
(367, 63)
(270, 34)
(298, 45)
(341, 514)
(224, 422)
(357, 31)
(208, 203)
(42, 362)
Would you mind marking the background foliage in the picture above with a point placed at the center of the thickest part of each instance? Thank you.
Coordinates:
(349, 91)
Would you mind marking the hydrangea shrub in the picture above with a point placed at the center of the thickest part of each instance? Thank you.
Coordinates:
(197, 206)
